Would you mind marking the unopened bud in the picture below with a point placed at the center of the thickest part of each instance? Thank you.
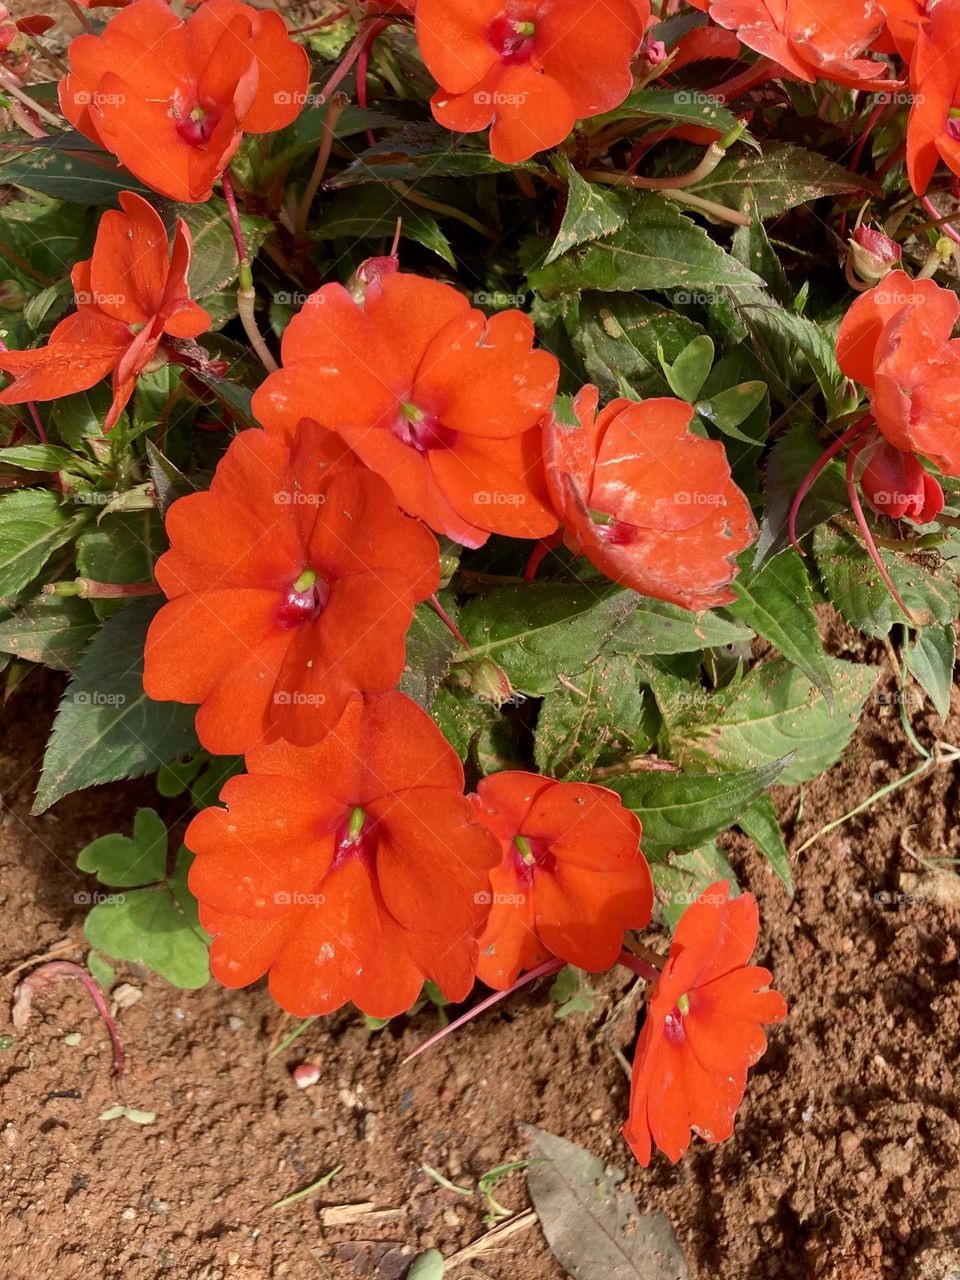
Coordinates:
(485, 680)
(873, 254)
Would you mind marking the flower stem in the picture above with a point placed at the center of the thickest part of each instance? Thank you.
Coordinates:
(810, 478)
(940, 220)
(246, 294)
(868, 536)
(336, 107)
(638, 966)
(89, 589)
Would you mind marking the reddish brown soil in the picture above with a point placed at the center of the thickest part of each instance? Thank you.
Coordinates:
(844, 1165)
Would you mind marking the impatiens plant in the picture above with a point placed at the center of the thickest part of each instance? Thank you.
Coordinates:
(420, 448)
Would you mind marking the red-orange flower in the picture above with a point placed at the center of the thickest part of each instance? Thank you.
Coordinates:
(131, 293)
(528, 68)
(571, 880)
(351, 870)
(895, 484)
(895, 339)
(933, 130)
(808, 38)
(646, 500)
(291, 582)
(441, 401)
(703, 1029)
(172, 98)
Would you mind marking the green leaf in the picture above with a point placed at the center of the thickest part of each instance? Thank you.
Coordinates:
(122, 549)
(107, 728)
(622, 339)
(930, 660)
(153, 928)
(760, 823)
(463, 717)
(575, 733)
(571, 992)
(42, 457)
(420, 151)
(777, 604)
(591, 212)
(306, 133)
(783, 177)
(683, 880)
(683, 810)
(32, 526)
(774, 711)
(685, 106)
(855, 588)
(123, 861)
(168, 482)
(39, 237)
(430, 650)
(691, 368)
(370, 212)
(205, 791)
(67, 167)
(657, 248)
(655, 627)
(51, 630)
(101, 970)
(540, 631)
(727, 409)
(427, 1266)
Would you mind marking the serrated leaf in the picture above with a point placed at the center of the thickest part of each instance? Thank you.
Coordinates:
(430, 650)
(789, 461)
(774, 711)
(760, 823)
(52, 630)
(621, 338)
(213, 264)
(783, 177)
(855, 588)
(419, 151)
(685, 106)
(680, 882)
(656, 627)
(591, 212)
(67, 167)
(125, 861)
(930, 660)
(107, 728)
(777, 603)
(591, 1222)
(575, 733)
(33, 525)
(682, 810)
(657, 248)
(539, 631)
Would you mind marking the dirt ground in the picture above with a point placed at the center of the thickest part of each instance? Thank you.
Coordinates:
(844, 1164)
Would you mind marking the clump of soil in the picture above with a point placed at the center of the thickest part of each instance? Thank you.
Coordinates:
(843, 1165)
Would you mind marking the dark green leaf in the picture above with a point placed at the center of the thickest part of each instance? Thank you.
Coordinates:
(430, 650)
(781, 178)
(591, 212)
(33, 525)
(107, 728)
(621, 336)
(52, 630)
(656, 627)
(68, 167)
(371, 212)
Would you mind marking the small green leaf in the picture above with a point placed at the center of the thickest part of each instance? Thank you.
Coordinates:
(122, 549)
(591, 212)
(124, 860)
(32, 526)
(930, 660)
(760, 823)
(51, 630)
(727, 409)
(623, 337)
(689, 371)
(428, 1266)
(101, 970)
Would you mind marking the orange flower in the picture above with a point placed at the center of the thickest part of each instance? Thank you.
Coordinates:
(130, 294)
(572, 878)
(933, 130)
(648, 502)
(351, 870)
(808, 38)
(291, 582)
(895, 339)
(441, 401)
(703, 1029)
(528, 68)
(172, 98)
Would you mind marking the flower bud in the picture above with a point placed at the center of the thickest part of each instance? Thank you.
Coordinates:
(485, 680)
(872, 254)
(369, 274)
(895, 484)
(13, 296)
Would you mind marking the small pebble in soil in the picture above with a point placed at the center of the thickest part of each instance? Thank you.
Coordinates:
(234, 1022)
(125, 995)
(306, 1074)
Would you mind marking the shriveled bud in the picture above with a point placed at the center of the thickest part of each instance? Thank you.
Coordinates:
(369, 274)
(872, 254)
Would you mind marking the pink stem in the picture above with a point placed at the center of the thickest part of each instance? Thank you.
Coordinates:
(229, 195)
(321, 22)
(541, 971)
(353, 53)
(749, 79)
(449, 623)
(54, 971)
(940, 220)
(811, 477)
(868, 535)
(540, 551)
(640, 967)
(363, 63)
